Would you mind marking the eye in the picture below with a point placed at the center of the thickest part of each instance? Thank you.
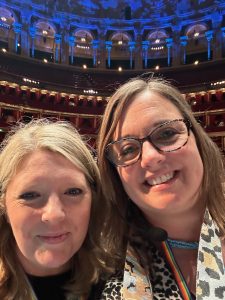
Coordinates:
(29, 196)
(169, 134)
(74, 192)
(129, 149)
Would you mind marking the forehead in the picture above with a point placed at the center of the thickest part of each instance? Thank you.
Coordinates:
(41, 159)
(145, 111)
(43, 166)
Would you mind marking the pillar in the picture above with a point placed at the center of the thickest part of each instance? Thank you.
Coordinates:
(145, 46)
(17, 29)
(109, 48)
(209, 37)
(32, 31)
(183, 43)
(95, 46)
(72, 40)
(169, 43)
(131, 50)
(58, 39)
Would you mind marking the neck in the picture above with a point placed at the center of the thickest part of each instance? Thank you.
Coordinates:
(180, 226)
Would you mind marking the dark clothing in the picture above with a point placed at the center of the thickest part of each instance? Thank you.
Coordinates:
(49, 287)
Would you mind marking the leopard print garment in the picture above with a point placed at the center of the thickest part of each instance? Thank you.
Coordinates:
(210, 269)
(135, 285)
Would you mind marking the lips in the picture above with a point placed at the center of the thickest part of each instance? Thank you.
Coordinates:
(54, 238)
(160, 179)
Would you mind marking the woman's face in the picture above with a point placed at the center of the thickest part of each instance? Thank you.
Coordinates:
(48, 203)
(159, 183)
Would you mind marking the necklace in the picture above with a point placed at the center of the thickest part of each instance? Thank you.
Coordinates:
(182, 244)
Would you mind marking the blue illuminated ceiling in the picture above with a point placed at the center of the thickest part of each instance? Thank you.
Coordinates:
(120, 9)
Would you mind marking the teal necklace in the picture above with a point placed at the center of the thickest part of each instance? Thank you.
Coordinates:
(182, 244)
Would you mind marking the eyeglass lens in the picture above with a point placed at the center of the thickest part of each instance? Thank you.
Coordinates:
(167, 137)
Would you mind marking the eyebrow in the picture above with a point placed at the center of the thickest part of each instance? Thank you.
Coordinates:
(155, 125)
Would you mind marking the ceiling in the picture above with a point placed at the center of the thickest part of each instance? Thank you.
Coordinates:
(121, 9)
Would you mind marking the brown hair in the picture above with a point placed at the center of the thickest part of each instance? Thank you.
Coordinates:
(212, 184)
(88, 262)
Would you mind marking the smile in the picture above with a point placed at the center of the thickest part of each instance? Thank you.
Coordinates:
(161, 179)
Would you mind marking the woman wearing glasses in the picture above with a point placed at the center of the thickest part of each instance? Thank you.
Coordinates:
(164, 178)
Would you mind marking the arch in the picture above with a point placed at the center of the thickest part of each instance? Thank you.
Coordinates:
(157, 36)
(83, 36)
(8, 17)
(120, 37)
(45, 29)
(44, 39)
(196, 30)
(83, 46)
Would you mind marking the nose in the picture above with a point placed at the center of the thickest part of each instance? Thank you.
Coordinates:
(53, 211)
(151, 157)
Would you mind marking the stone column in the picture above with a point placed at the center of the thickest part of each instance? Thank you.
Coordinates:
(131, 50)
(58, 39)
(109, 48)
(102, 49)
(183, 43)
(209, 37)
(176, 51)
(145, 46)
(64, 49)
(217, 20)
(95, 46)
(17, 29)
(32, 31)
(25, 37)
(138, 47)
(169, 43)
(72, 40)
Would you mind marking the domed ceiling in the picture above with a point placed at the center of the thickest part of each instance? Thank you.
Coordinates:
(120, 9)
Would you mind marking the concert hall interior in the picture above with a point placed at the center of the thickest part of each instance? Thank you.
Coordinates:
(63, 59)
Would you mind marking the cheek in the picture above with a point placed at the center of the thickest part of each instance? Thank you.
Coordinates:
(14, 216)
(22, 232)
(80, 217)
(194, 160)
(128, 177)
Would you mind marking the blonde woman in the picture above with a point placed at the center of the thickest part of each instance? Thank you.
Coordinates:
(52, 211)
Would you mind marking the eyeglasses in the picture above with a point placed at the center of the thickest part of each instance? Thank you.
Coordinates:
(167, 137)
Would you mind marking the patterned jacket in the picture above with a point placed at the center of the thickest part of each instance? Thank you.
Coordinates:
(134, 283)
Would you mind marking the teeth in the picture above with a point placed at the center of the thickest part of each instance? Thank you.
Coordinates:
(161, 179)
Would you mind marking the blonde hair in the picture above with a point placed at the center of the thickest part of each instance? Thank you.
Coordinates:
(62, 138)
(212, 192)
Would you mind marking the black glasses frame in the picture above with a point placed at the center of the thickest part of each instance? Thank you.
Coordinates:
(148, 138)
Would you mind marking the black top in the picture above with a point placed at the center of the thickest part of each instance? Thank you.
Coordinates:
(49, 287)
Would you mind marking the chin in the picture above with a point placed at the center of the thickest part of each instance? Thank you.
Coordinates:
(164, 202)
(54, 261)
